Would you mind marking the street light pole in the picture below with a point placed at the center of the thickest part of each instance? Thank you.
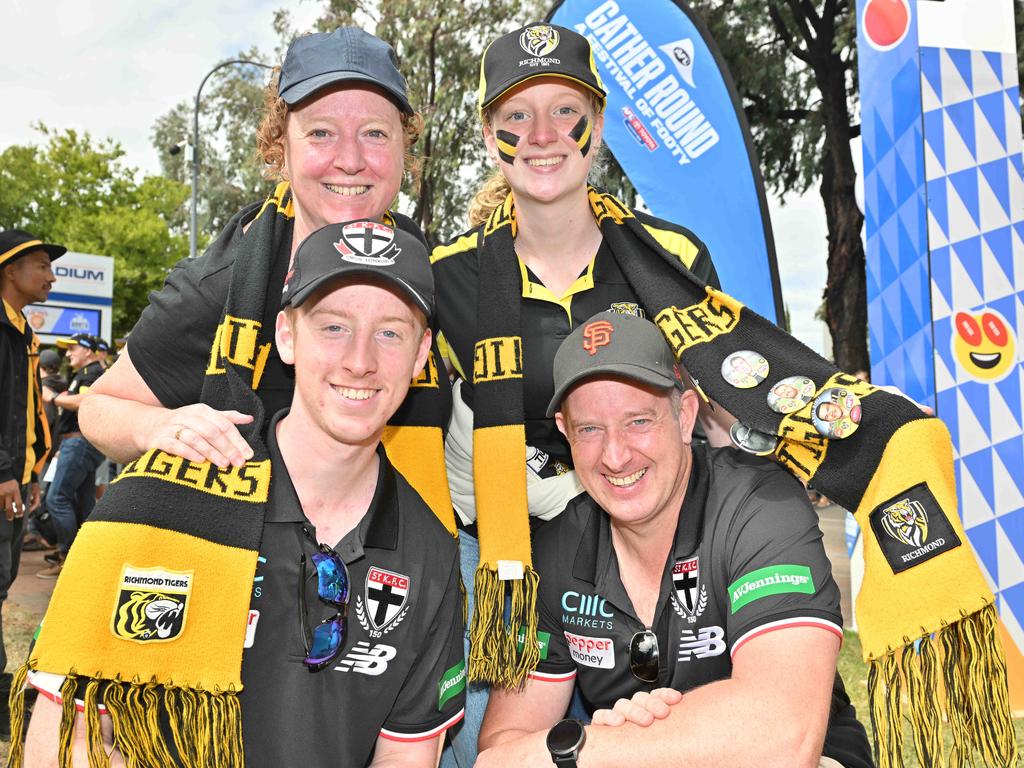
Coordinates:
(193, 214)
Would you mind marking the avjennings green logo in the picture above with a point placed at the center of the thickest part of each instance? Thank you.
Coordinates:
(543, 641)
(773, 580)
(451, 684)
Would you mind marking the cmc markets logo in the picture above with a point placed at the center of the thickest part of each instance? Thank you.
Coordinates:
(78, 273)
(885, 23)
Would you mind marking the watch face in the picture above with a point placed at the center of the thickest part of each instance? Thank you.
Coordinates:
(565, 737)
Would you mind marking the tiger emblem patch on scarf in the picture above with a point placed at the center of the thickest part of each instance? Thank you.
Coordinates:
(151, 604)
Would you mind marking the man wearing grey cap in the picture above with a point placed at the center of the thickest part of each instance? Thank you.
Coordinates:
(353, 650)
(688, 588)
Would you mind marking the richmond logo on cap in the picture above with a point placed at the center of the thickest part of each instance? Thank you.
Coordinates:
(540, 40)
(367, 242)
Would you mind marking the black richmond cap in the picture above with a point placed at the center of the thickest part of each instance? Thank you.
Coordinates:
(361, 247)
(613, 343)
(15, 243)
(537, 50)
(347, 54)
(82, 340)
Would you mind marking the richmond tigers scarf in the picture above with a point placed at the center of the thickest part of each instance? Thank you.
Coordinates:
(148, 617)
(925, 612)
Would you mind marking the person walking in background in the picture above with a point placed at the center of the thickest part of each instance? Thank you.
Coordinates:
(26, 276)
(39, 535)
(72, 494)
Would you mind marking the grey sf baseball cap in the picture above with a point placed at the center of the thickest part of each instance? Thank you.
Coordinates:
(361, 248)
(611, 343)
(348, 54)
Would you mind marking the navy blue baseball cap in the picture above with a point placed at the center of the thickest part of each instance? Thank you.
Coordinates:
(348, 54)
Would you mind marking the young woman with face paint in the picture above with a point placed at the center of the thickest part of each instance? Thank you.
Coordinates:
(542, 112)
(534, 266)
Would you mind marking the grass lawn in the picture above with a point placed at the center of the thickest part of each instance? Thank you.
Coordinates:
(854, 674)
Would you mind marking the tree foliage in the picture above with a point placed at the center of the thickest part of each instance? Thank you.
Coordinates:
(794, 64)
(231, 107)
(76, 191)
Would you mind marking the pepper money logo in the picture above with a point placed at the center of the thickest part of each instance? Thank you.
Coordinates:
(984, 345)
(152, 604)
(539, 40)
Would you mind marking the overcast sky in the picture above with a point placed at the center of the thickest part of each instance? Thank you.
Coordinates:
(112, 67)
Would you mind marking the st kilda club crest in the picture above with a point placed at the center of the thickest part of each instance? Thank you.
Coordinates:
(690, 597)
(384, 602)
(367, 242)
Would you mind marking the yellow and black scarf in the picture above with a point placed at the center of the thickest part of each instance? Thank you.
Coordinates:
(148, 616)
(925, 618)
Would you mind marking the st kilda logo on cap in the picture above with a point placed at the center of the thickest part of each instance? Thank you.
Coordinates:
(885, 23)
(367, 242)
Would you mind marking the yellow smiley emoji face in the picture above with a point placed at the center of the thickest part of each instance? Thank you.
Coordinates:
(984, 344)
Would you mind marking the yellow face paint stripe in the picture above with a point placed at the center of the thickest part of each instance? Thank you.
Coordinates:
(580, 133)
(506, 143)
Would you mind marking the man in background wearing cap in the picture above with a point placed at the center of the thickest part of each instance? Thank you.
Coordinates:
(390, 680)
(25, 277)
(72, 494)
(682, 570)
(53, 383)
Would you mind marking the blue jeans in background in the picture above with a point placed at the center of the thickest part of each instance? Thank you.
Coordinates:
(72, 493)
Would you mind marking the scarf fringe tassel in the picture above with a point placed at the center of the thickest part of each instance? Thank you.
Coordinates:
(495, 654)
(968, 657)
(206, 726)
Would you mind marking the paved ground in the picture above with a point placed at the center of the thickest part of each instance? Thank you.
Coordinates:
(32, 594)
(28, 592)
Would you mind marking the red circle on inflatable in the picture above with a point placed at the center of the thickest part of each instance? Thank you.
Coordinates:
(885, 23)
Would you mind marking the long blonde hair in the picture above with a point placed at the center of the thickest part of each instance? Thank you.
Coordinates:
(496, 188)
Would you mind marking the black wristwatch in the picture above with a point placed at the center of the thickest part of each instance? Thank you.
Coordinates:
(565, 740)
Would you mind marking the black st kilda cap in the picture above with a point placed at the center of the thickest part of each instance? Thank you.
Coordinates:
(366, 248)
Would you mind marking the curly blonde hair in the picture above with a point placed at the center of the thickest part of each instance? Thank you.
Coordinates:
(496, 188)
(270, 135)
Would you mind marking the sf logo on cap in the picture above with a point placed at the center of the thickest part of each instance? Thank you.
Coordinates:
(540, 40)
(367, 242)
(597, 335)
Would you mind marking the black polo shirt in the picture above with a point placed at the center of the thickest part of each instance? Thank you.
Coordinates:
(747, 559)
(545, 319)
(401, 674)
(81, 382)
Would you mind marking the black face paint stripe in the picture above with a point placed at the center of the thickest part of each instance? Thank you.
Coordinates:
(506, 142)
(580, 133)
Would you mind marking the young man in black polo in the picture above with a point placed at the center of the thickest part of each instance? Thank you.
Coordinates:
(355, 326)
(682, 568)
